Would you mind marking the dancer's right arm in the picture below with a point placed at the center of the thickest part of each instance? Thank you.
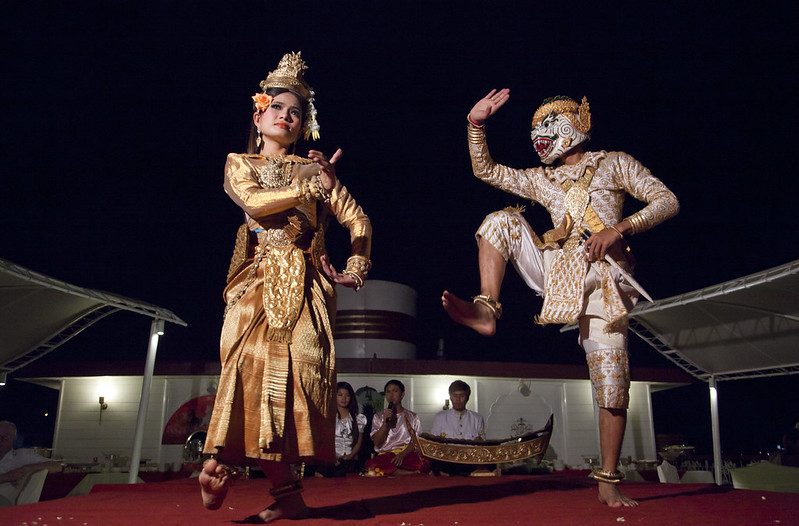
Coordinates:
(242, 186)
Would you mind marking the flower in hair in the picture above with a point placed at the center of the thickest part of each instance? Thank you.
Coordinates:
(262, 101)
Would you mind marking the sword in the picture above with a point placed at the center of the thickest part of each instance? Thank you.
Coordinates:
(624, 274)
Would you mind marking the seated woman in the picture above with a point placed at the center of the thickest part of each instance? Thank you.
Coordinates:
(349, 434)
(392, 440)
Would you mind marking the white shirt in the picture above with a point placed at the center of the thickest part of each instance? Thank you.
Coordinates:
(16, 458)
(344, 433)
(466, 425)
(399, 436)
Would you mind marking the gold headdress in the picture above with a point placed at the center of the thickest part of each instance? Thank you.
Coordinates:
(578, 115)
(289, 75)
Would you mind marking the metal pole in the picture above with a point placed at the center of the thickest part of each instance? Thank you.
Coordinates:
(156, 329)
(714, 422)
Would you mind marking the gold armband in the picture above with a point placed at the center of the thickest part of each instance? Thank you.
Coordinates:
(638, 223)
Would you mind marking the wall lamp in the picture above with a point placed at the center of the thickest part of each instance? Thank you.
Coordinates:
(103, 407)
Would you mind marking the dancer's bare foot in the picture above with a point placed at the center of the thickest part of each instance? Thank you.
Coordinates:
(214, 482)
(609, 494)
(472, 315)
(288, 507)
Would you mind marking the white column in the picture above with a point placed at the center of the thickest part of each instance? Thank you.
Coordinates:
(714, 422)
(156, 329)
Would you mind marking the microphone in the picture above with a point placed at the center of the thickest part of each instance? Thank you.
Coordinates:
(392, 420)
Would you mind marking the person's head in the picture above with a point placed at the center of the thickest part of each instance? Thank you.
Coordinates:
(394, 391)
(284, 108)
(459, 393)
(559, 126)
(345, 397)
(8, 435)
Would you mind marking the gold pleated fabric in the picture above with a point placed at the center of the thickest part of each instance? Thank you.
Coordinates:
(276, 395)
(261, 379)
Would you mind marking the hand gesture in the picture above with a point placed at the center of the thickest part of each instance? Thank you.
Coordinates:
(600, 243)
(327, 167)
(488, 105)
(335, 276)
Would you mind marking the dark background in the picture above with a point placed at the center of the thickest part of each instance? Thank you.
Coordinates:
(117, 117)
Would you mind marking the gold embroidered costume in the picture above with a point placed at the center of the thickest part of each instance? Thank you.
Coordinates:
(276, 396)
(588, 195)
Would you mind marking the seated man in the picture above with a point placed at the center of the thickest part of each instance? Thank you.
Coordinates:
(459, 423)
(16, 464)
(390, 435)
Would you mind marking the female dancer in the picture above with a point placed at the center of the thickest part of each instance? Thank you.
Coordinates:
(274, 405)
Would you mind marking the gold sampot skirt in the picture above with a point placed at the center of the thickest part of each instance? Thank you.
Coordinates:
(275, 401)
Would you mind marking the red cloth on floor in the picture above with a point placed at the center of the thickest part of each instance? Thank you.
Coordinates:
(411, 462)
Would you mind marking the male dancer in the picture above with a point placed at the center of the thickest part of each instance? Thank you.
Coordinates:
(583, 191)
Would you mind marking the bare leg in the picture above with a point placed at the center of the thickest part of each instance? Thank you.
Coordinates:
(288, 507)
(474, 315)
(611, 433)
(214, 482)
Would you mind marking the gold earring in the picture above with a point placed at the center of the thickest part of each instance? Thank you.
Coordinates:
(258, 140)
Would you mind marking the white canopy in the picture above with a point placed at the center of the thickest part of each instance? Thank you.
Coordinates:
(739, 329)
(39, 313)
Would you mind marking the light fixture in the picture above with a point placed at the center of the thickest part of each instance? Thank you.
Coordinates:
(3, 378)
(159, 327)
(103, 407)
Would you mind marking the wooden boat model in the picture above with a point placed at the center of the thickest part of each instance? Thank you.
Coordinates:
(483, 451)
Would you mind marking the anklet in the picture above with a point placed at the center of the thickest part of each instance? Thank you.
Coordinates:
(295, 486)
(227, 470)
(610, 477)
(493, 305)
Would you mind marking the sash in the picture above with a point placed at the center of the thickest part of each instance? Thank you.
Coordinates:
(565, 287)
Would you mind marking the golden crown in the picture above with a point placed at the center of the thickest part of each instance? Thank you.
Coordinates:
(578, 115)
(289, 75)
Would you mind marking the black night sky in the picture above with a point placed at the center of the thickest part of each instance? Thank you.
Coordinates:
(117, 117)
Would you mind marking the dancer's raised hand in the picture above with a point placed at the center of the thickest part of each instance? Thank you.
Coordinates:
(489, 105)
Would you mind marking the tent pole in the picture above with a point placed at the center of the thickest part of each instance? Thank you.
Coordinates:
(714, 422)
(156, 329)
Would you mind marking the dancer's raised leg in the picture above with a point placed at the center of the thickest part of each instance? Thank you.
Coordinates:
(476, 315)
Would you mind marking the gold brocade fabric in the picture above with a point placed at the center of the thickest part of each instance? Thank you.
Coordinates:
(275, 400)
(609, 370)
(284, 273)
(276, 394)
(563, 300)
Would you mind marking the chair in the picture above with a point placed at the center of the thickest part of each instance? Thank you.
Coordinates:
(698, 477)
(31, 487)
(668, 473)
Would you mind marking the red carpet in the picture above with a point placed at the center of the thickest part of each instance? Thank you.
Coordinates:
(419, 500)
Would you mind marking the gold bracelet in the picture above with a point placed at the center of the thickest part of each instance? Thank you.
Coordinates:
(303, 191)
(469, 118)
(359, 264)
(354, 275)
(617, 231)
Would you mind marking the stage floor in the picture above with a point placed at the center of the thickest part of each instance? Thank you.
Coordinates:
(415, 500)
